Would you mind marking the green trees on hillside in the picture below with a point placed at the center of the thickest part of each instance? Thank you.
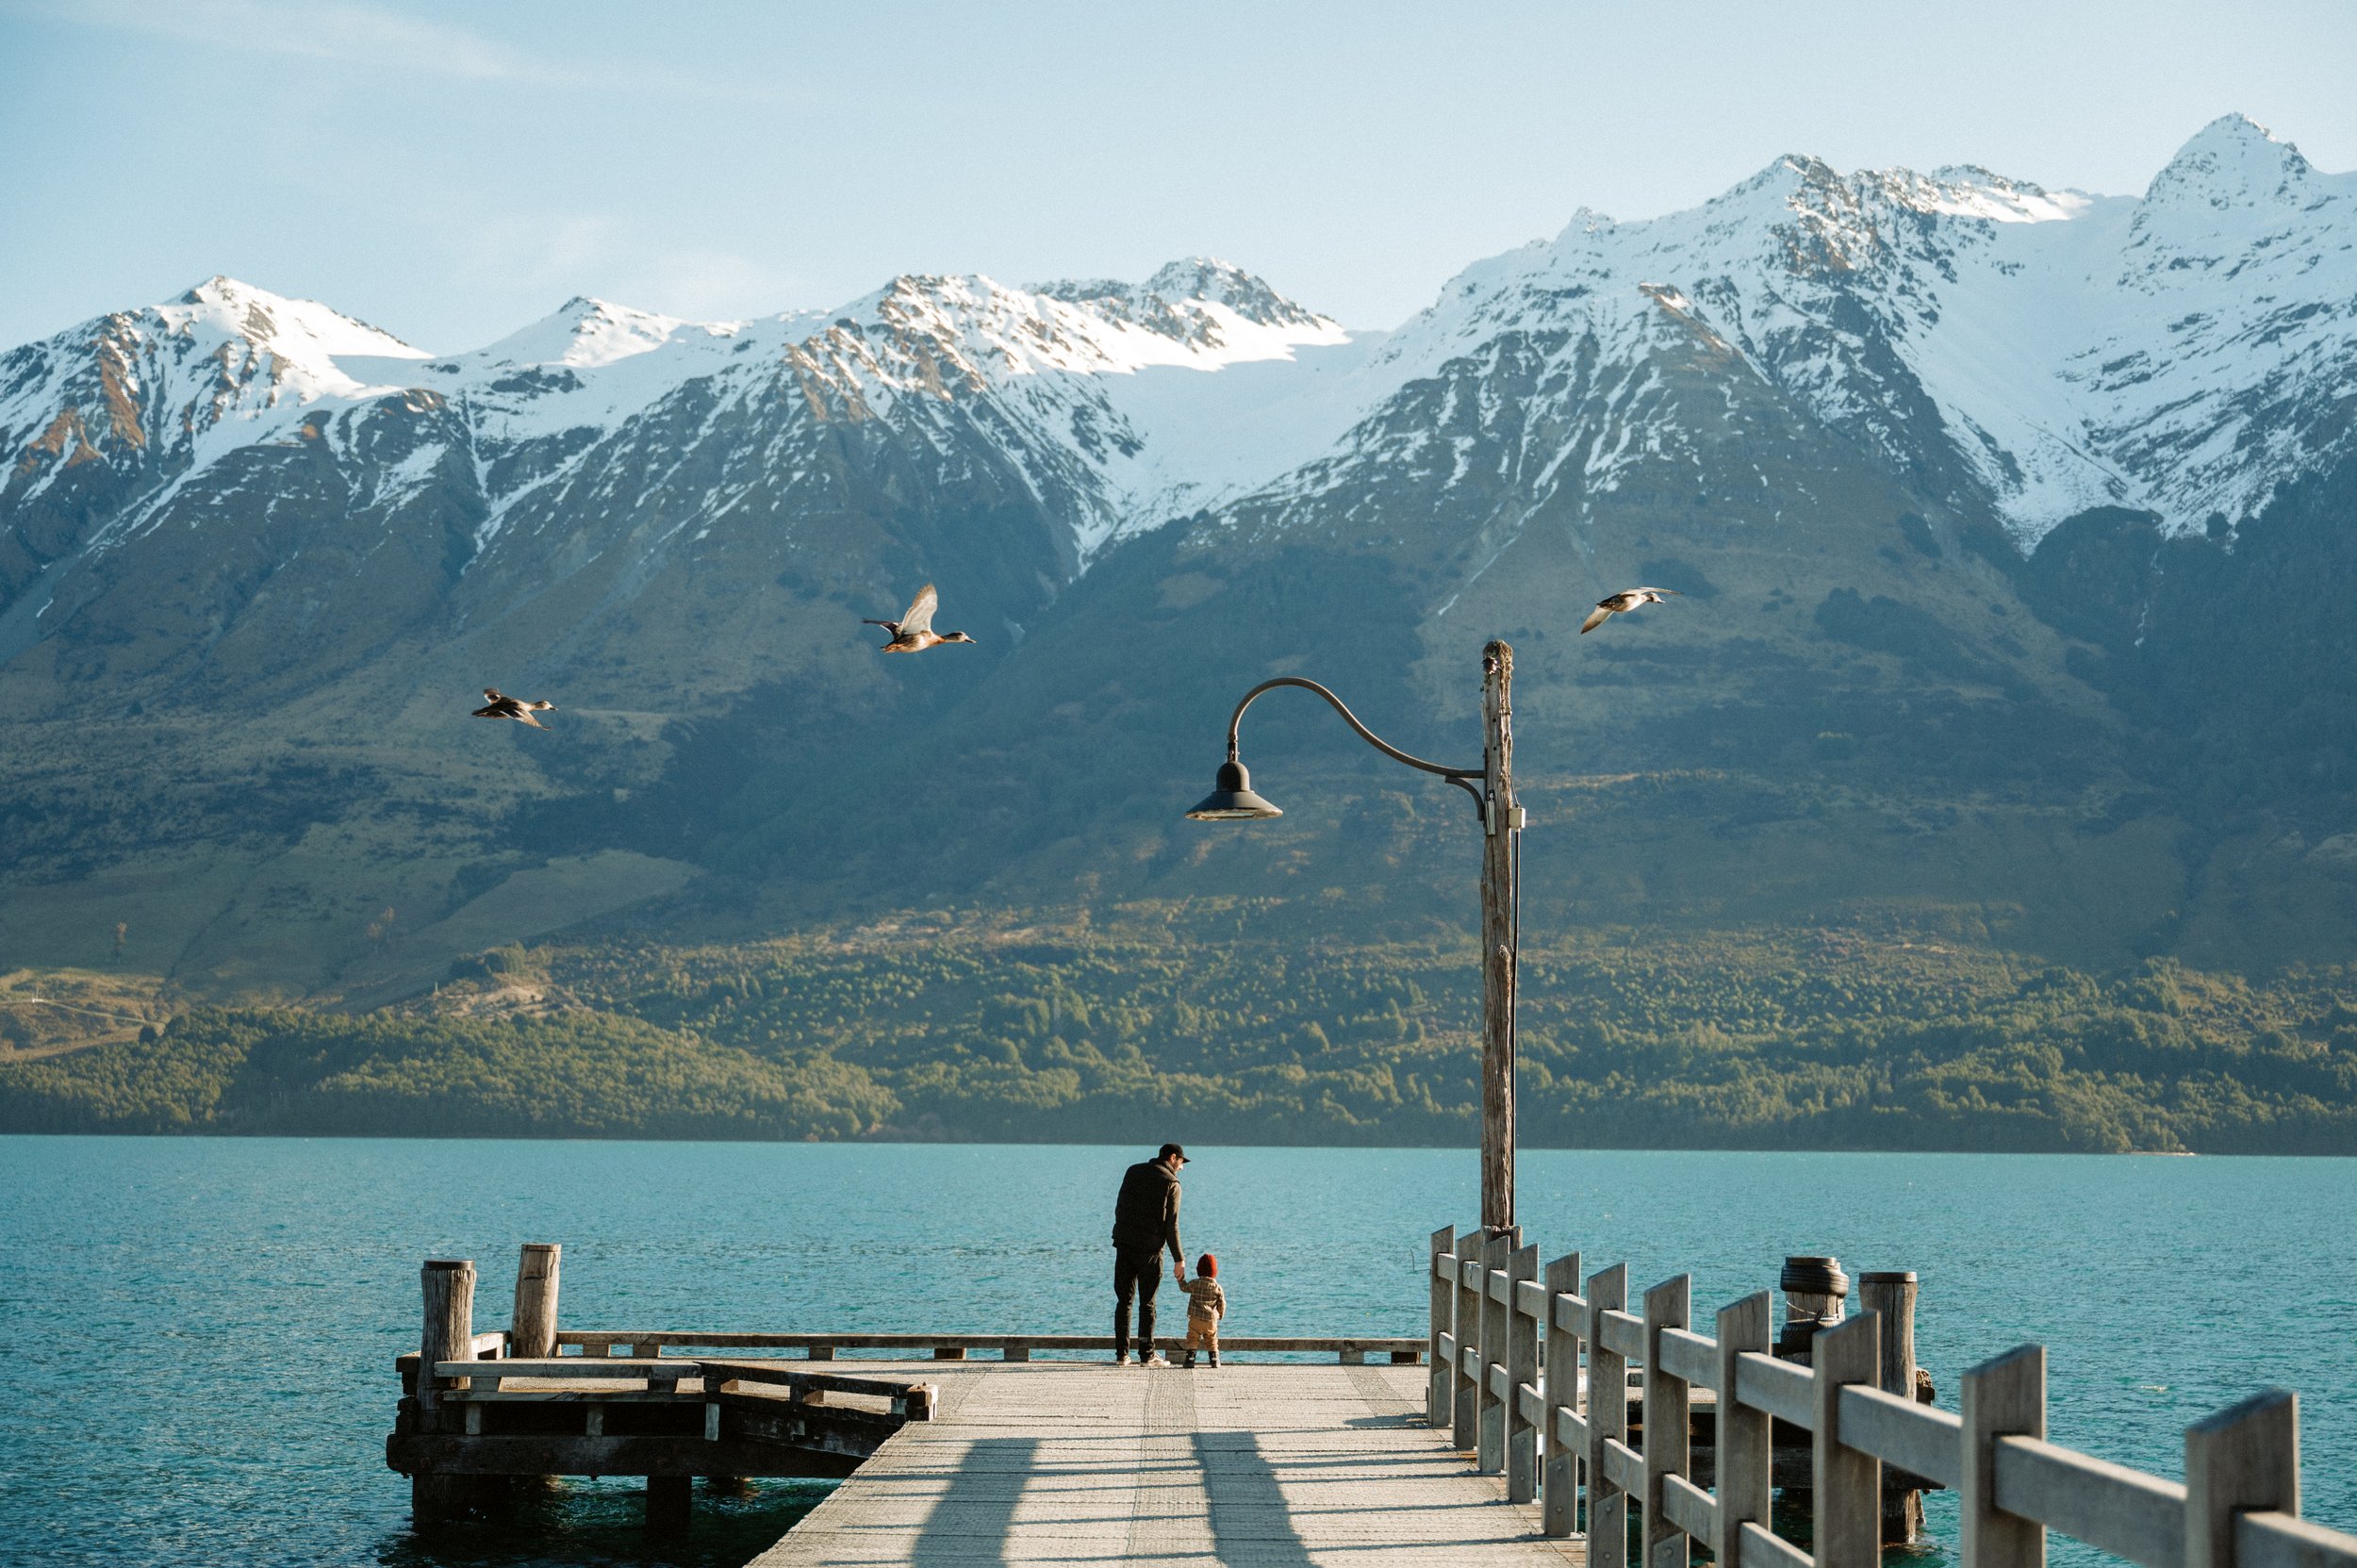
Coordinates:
(1814, 1038)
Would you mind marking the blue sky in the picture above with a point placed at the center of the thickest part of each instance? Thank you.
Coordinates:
(451, 171)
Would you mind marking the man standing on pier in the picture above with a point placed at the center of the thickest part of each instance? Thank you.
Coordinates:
(1146, 1220)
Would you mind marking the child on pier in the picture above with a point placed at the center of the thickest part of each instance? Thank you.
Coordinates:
(1206, 1305)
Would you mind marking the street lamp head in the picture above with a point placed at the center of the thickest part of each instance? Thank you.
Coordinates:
(1232, 799)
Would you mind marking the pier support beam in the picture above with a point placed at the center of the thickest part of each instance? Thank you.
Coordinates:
(532, 1334)
(1891, 1296)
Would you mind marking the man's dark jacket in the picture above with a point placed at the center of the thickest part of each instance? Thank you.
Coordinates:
(1145, 1215)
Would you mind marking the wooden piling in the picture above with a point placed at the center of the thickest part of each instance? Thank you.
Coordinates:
(1815, 1294)
(1891, 1296)
(448, 1285)
(531, 1332)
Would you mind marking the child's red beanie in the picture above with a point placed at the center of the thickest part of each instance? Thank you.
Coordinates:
(1207, 1266)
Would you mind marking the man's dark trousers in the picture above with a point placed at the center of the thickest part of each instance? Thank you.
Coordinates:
(1138, 1274)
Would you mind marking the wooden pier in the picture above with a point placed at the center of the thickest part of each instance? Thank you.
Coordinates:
(1471, 1445)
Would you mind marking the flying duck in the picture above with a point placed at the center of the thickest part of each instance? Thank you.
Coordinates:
(515, 708)
(913, 632)
(1620, 604)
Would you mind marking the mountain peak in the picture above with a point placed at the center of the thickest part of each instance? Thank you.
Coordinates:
(1195, 280)
(2232, 161)
(296, 329)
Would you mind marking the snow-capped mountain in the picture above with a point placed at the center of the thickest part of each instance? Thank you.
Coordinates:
(1849, 413)
(1998, 346)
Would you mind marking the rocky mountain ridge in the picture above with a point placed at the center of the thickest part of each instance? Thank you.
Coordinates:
(1911, 445)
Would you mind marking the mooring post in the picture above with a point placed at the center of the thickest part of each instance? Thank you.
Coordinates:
(449, 1336)
(1436, 1409)
(532, 1333)
(1815, 1294)
(1890, 1294)
(2243, 1460)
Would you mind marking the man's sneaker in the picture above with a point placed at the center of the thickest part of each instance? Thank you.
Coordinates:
(1122, 1359)
(1157, 1359)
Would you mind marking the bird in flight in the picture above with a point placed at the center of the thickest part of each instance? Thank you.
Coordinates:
(515, 708)
(913, 632)
(1620, 604)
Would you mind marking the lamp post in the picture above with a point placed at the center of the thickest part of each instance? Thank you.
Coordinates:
(1232, 800)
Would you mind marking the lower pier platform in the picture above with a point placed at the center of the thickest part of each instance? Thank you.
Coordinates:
(1075, 1462)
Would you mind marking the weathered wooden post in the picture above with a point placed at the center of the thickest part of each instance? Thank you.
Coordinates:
(1489, 1452)
(1816, 1292)
(1669, 1441)
(449, 1336)
(1522, 1371)
(1745, 1463)
(1465, 1419)
(1501, 850)
(2004, 1398)
(1848, 1482)
(1560, 1484)
(1608, 1422)
(2243, 1460)
(1890, 1294)
(532, 1333)
(1439, 1402)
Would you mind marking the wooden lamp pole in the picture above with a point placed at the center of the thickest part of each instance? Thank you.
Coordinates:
(1233, 799)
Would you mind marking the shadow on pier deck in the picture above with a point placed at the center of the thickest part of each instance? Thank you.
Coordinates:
(1079, 1462)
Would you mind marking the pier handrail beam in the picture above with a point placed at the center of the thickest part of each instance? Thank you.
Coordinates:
(2238, 1507)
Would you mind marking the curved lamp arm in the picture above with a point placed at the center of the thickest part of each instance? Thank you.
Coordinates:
(1460, 777)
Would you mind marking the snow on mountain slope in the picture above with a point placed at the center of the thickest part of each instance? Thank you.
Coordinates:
(2036, 353)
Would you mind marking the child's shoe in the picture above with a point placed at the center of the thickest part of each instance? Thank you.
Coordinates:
(1214, 1357)
(1189, 1362)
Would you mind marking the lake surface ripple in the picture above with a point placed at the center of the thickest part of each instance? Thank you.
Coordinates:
(199, 1333)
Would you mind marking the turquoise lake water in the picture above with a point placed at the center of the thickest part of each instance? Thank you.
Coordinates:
(198, 1334)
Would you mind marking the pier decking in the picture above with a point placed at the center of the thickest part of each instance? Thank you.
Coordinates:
(1081, 1462)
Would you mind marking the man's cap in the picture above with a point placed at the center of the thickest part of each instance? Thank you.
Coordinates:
(1169, 1150)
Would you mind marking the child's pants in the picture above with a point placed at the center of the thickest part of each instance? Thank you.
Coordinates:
(1203, 1335)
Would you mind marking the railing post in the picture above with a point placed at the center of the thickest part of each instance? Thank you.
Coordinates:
(1490, 1453)
(1559, 1483)
(1848, 1481)
(1745, 1463)
(2003, 1397)
(1668, 1449)
(1890, 1295)
(1608, 1422)
(531, 1332)
(1465, 1420)
(2245, 1459)
(1438, 1407)
(1522, 1370)
(449, 1336)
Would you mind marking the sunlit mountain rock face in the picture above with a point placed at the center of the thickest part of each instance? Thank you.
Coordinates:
(2029, 502)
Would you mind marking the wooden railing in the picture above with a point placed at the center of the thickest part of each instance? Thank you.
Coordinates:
(643, 1343)
(1495, 1323)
